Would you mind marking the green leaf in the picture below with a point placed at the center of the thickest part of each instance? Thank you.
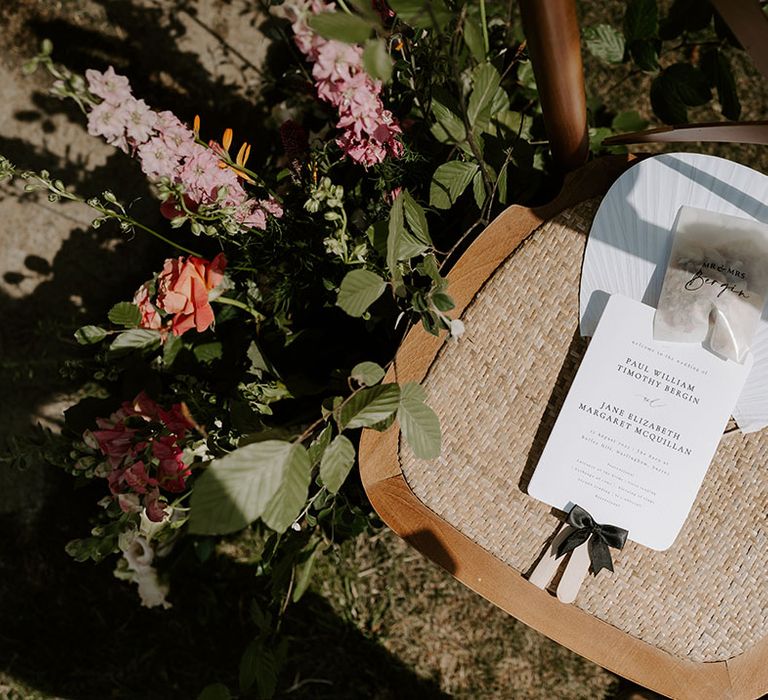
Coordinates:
(509, 124)
(422, 14)
(628, 121)
(367, 373)
(673, 25)
(416, 218)
(666, 103)
(171, 348)
(340, 26)
(473, 38)
(690, 83)
(717, 68)
(304, 575)
(234, 490)
(597, 136)
(369, 406)
(125, 314)
(134, 339)
(478, 189)
(215, 691)
(501, 186)
(449, 181)
(525, 76)
(336, 463)
(359, 289)
(208, 352)
(289, 500)
(418, 422)
(88, 335)
(605, 42)
(645, 55)
(264, 671)
(641, 20)
(401, 244)
(377, 61)
(319, 445)
(449, 127)
(442, 301)
(248, 662)
(485, 83)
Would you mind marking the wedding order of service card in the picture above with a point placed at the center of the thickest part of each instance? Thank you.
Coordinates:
(638, 428)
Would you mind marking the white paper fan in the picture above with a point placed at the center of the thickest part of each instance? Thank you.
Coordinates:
(631, 236)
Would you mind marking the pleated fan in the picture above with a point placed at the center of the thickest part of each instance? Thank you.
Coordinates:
(631, 237)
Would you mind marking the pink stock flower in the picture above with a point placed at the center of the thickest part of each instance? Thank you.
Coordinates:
(107, 121)
(112, 88)
(140, 120)
(166, 148)
(157, 159)
(370, 132)
(183, 289)
(203, 178)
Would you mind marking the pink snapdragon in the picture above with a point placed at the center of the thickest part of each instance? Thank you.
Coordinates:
(141, 443)
(370, 132)
(166, 148)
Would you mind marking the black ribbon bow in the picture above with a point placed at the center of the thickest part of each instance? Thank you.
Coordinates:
(600, 537)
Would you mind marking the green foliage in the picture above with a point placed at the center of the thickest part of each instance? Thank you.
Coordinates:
(215, 691)
(422, 14)
(369, 407)
(125, 314)
(336, 463)
(89, 335)
(289, 499)
(129, 341)
(418, 422)
(341, 26)
(358, 290)
(605, 42)
(682, 78)
(236, 489)
(376, 60)
(367, 373)
(449, 182)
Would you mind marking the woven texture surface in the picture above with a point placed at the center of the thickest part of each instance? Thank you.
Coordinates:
(497, 393)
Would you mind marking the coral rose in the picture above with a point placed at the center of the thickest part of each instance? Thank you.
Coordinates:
(183, 290)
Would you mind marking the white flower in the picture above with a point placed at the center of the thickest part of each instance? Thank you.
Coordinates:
(138, 555)
(457, 328)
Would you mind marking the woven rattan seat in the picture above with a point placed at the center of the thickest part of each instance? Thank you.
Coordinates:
(688, 622)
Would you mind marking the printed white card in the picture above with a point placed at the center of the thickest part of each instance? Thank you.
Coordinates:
(639, 427)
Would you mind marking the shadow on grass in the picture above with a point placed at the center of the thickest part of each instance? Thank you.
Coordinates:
(73, 630)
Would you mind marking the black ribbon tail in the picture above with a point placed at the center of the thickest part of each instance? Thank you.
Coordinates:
(599, 555)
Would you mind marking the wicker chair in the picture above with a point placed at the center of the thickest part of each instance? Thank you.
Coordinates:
(691, 622)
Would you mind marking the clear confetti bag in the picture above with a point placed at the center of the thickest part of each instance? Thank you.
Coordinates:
(716, 282)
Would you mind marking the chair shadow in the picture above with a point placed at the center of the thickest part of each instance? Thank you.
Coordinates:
(73, 630)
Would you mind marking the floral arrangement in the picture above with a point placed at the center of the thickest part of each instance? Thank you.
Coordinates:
(233, 384)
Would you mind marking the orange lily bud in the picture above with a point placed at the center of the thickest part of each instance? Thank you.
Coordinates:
(196, 125)
(226, 140)
(240, 155)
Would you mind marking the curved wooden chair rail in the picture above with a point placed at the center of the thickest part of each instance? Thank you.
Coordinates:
(742, 677)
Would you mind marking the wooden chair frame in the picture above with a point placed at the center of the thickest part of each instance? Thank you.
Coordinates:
(742, 677)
